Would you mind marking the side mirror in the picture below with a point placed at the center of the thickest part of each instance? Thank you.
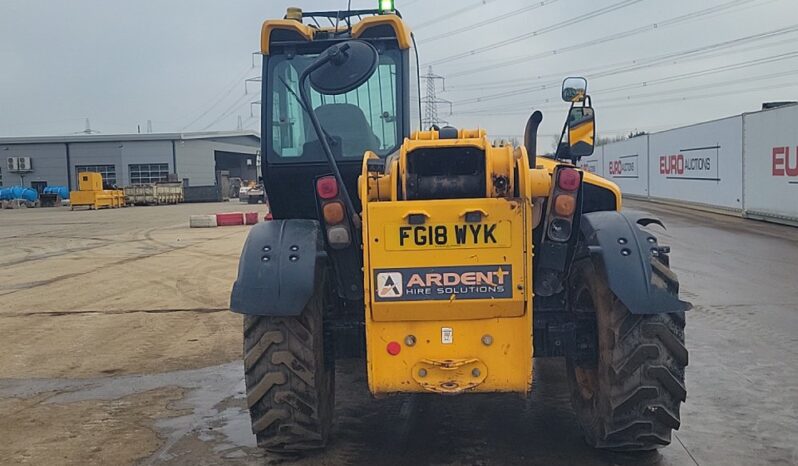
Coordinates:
(581, 132)
(574, 89)
(339, 69)
(343, 68)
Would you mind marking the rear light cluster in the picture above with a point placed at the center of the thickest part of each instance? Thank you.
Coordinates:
(564, 198)
(334, 213)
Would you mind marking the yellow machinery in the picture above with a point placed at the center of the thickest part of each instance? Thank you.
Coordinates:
(466, 314)
(447, 263)
(449, 292)
(91, 194)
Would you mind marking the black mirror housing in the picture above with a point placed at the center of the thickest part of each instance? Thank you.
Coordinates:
(343, 67)
(574, 89)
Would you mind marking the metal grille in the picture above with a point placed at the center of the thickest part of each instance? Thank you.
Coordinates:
(146, 173)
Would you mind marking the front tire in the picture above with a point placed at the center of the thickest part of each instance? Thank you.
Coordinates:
(290, 383)
(628, 399)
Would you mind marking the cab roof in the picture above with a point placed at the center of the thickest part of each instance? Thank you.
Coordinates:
(371, 24)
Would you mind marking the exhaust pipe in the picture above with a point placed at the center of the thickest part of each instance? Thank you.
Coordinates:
(531, 137)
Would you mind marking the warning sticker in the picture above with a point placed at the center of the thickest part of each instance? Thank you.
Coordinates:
(447, 336)
(443, 283)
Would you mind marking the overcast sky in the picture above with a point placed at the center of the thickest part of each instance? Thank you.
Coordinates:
(121, 63)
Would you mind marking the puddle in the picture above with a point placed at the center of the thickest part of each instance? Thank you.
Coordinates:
(214, 398)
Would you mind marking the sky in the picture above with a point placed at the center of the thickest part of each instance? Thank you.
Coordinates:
(651, 64)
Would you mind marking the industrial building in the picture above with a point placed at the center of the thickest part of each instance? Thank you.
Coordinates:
(200, 160)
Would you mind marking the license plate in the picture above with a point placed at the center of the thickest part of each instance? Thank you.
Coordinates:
(448, 235)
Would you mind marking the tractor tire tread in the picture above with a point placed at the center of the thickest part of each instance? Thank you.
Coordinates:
(289, 386)
(644, 359)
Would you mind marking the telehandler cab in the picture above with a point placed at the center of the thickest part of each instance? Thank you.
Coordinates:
(447, 262)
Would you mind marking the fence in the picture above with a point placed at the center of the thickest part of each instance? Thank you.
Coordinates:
(747, 164)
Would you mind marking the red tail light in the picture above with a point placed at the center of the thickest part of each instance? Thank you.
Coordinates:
(327, 187)
(564, 204)
(569, 179)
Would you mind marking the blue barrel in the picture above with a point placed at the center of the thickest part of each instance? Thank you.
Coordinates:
(62, 191)
(5, 194)
(21, 192)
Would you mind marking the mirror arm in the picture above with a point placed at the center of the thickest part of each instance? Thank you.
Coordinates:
(558, 154)
(325, 144)
(418, 82)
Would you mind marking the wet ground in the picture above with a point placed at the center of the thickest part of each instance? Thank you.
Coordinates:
(116, 347)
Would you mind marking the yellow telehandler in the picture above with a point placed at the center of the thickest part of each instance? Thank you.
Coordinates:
(447, 263)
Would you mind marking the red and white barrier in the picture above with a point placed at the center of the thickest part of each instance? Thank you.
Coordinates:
(230, 219)
(226, 219)
(202, 221)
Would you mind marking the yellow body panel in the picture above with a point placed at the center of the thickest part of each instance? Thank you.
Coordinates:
(305, 31)
(504, 366)
(399, 28)
(97, 199)
(90, 181)
(454, 244)
(425, 329)
(458, 345)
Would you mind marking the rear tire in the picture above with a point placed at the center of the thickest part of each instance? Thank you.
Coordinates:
(629, 398)
(290, 383)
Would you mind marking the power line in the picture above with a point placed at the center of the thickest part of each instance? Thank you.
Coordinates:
(553, 27)
(702, 73)
(629, 98)
(623, 103)
(486, 22)
(602, 40)
(543, 103)
(443, 18)
(217, 100)
(229, 111)
(637, 64)
(607, 73)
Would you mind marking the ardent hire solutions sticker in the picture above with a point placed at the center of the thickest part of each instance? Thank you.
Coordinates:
(443, 283)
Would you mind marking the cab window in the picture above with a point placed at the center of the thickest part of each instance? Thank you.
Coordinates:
(366, 118)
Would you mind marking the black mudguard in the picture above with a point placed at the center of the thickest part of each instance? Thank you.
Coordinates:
(617, 241)
(278, 269)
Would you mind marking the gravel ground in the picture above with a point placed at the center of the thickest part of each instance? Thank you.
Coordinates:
(116, 346)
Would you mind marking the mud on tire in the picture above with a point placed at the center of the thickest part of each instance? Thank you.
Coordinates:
(289, 382)
(629, 398)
